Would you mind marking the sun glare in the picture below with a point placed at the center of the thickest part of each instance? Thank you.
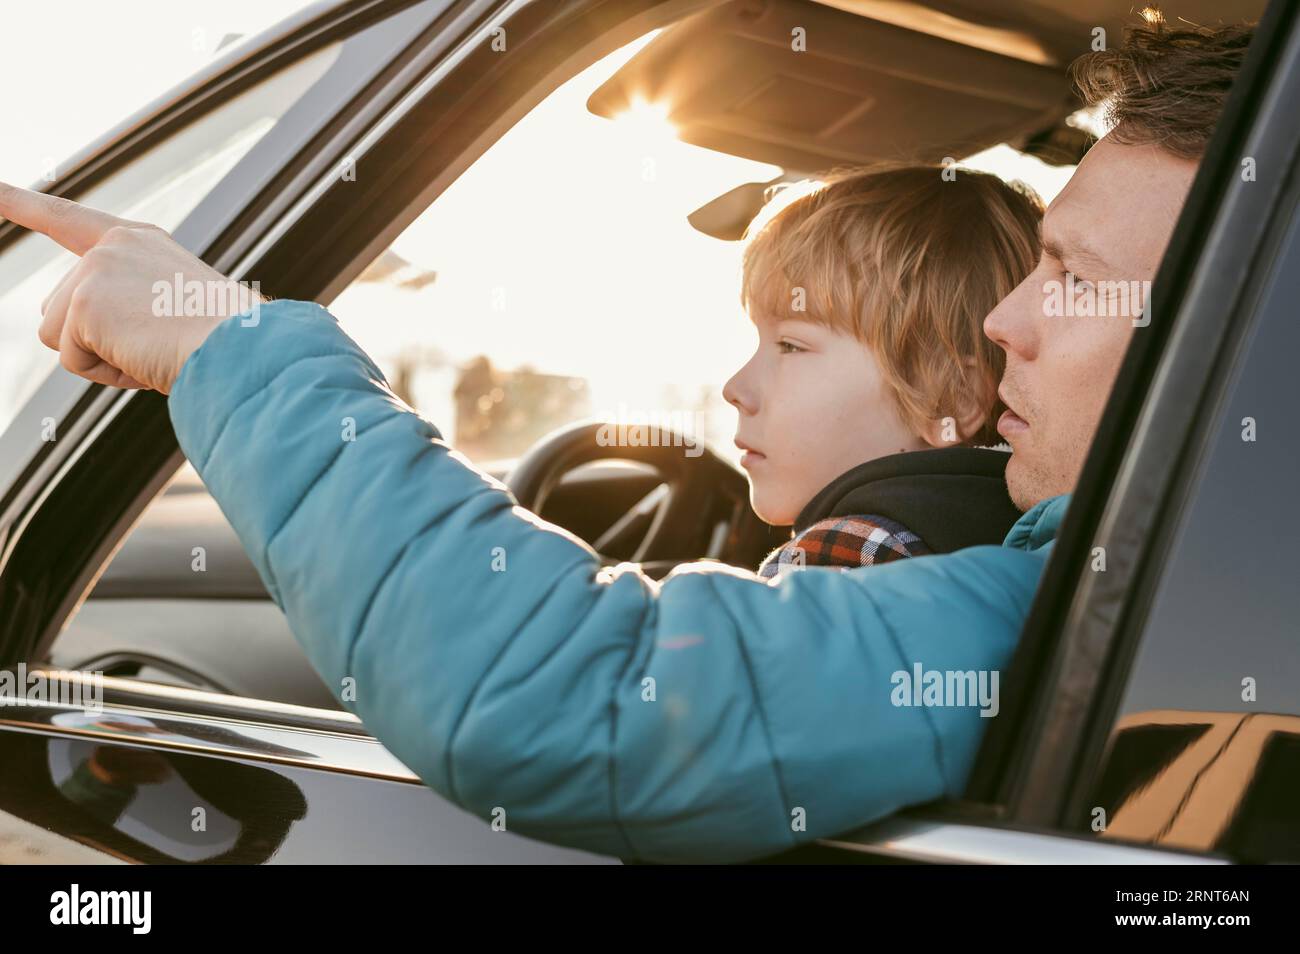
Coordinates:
(647, 120)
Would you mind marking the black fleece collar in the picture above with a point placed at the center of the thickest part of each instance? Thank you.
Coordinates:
(952, 498)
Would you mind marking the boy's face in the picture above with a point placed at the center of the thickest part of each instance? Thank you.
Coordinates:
(812, 405)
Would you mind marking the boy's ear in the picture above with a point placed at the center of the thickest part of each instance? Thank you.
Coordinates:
(953, 429)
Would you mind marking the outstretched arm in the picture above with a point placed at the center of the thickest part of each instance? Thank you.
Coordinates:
(712, 715)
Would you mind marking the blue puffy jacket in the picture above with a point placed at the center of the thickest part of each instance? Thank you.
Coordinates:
(712, 715)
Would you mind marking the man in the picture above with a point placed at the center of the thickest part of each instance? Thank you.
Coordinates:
(710, 716)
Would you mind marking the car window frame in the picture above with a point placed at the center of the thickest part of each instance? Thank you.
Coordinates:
(43, 476)
(1214, 404)
(1145, 461)
(216, 219)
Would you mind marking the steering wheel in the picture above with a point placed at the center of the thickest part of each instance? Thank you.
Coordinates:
(694, 491)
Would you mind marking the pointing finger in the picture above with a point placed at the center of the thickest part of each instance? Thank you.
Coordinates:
(78, 228)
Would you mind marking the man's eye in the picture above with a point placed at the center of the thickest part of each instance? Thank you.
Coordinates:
(1083, 286)
(783, 345)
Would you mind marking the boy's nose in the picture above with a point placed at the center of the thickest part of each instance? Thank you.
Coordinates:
(735, 393)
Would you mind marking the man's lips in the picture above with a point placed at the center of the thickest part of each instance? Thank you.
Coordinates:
(1010, 422)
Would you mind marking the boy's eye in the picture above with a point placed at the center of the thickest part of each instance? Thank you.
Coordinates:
(782, 346)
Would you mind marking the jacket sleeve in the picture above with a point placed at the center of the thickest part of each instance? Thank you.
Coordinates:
(712, 715)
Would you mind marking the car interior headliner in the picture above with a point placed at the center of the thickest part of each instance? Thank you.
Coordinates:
(880, 79)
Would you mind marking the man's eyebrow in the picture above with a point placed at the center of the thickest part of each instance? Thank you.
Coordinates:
(1074, 254)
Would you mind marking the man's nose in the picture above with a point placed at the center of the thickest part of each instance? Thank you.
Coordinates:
(1015, 324)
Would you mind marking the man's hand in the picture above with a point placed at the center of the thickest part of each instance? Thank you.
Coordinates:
(116, 317)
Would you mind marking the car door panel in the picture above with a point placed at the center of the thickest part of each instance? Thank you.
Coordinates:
(238, 783)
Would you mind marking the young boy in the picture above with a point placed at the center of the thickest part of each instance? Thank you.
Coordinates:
(873, 385)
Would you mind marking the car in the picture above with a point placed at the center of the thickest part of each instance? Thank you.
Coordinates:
(1149, 715)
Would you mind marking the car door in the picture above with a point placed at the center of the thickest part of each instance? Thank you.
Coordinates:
(122, 769)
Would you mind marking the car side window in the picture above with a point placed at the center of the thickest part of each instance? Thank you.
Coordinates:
(162, 186)
(180, 603)
(1204, 754)
(181, 570)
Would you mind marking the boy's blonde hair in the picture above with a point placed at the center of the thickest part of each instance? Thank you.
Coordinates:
(908, 261)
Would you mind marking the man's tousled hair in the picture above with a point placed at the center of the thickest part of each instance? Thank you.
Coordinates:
(1164, 87)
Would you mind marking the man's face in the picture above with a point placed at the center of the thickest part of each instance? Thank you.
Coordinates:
(1110, 224)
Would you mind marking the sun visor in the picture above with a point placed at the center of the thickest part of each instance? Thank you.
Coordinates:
(808, 86)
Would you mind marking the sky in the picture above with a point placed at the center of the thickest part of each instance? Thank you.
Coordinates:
(85, 65)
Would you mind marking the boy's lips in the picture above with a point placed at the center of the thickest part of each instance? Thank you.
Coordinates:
(751, 456)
